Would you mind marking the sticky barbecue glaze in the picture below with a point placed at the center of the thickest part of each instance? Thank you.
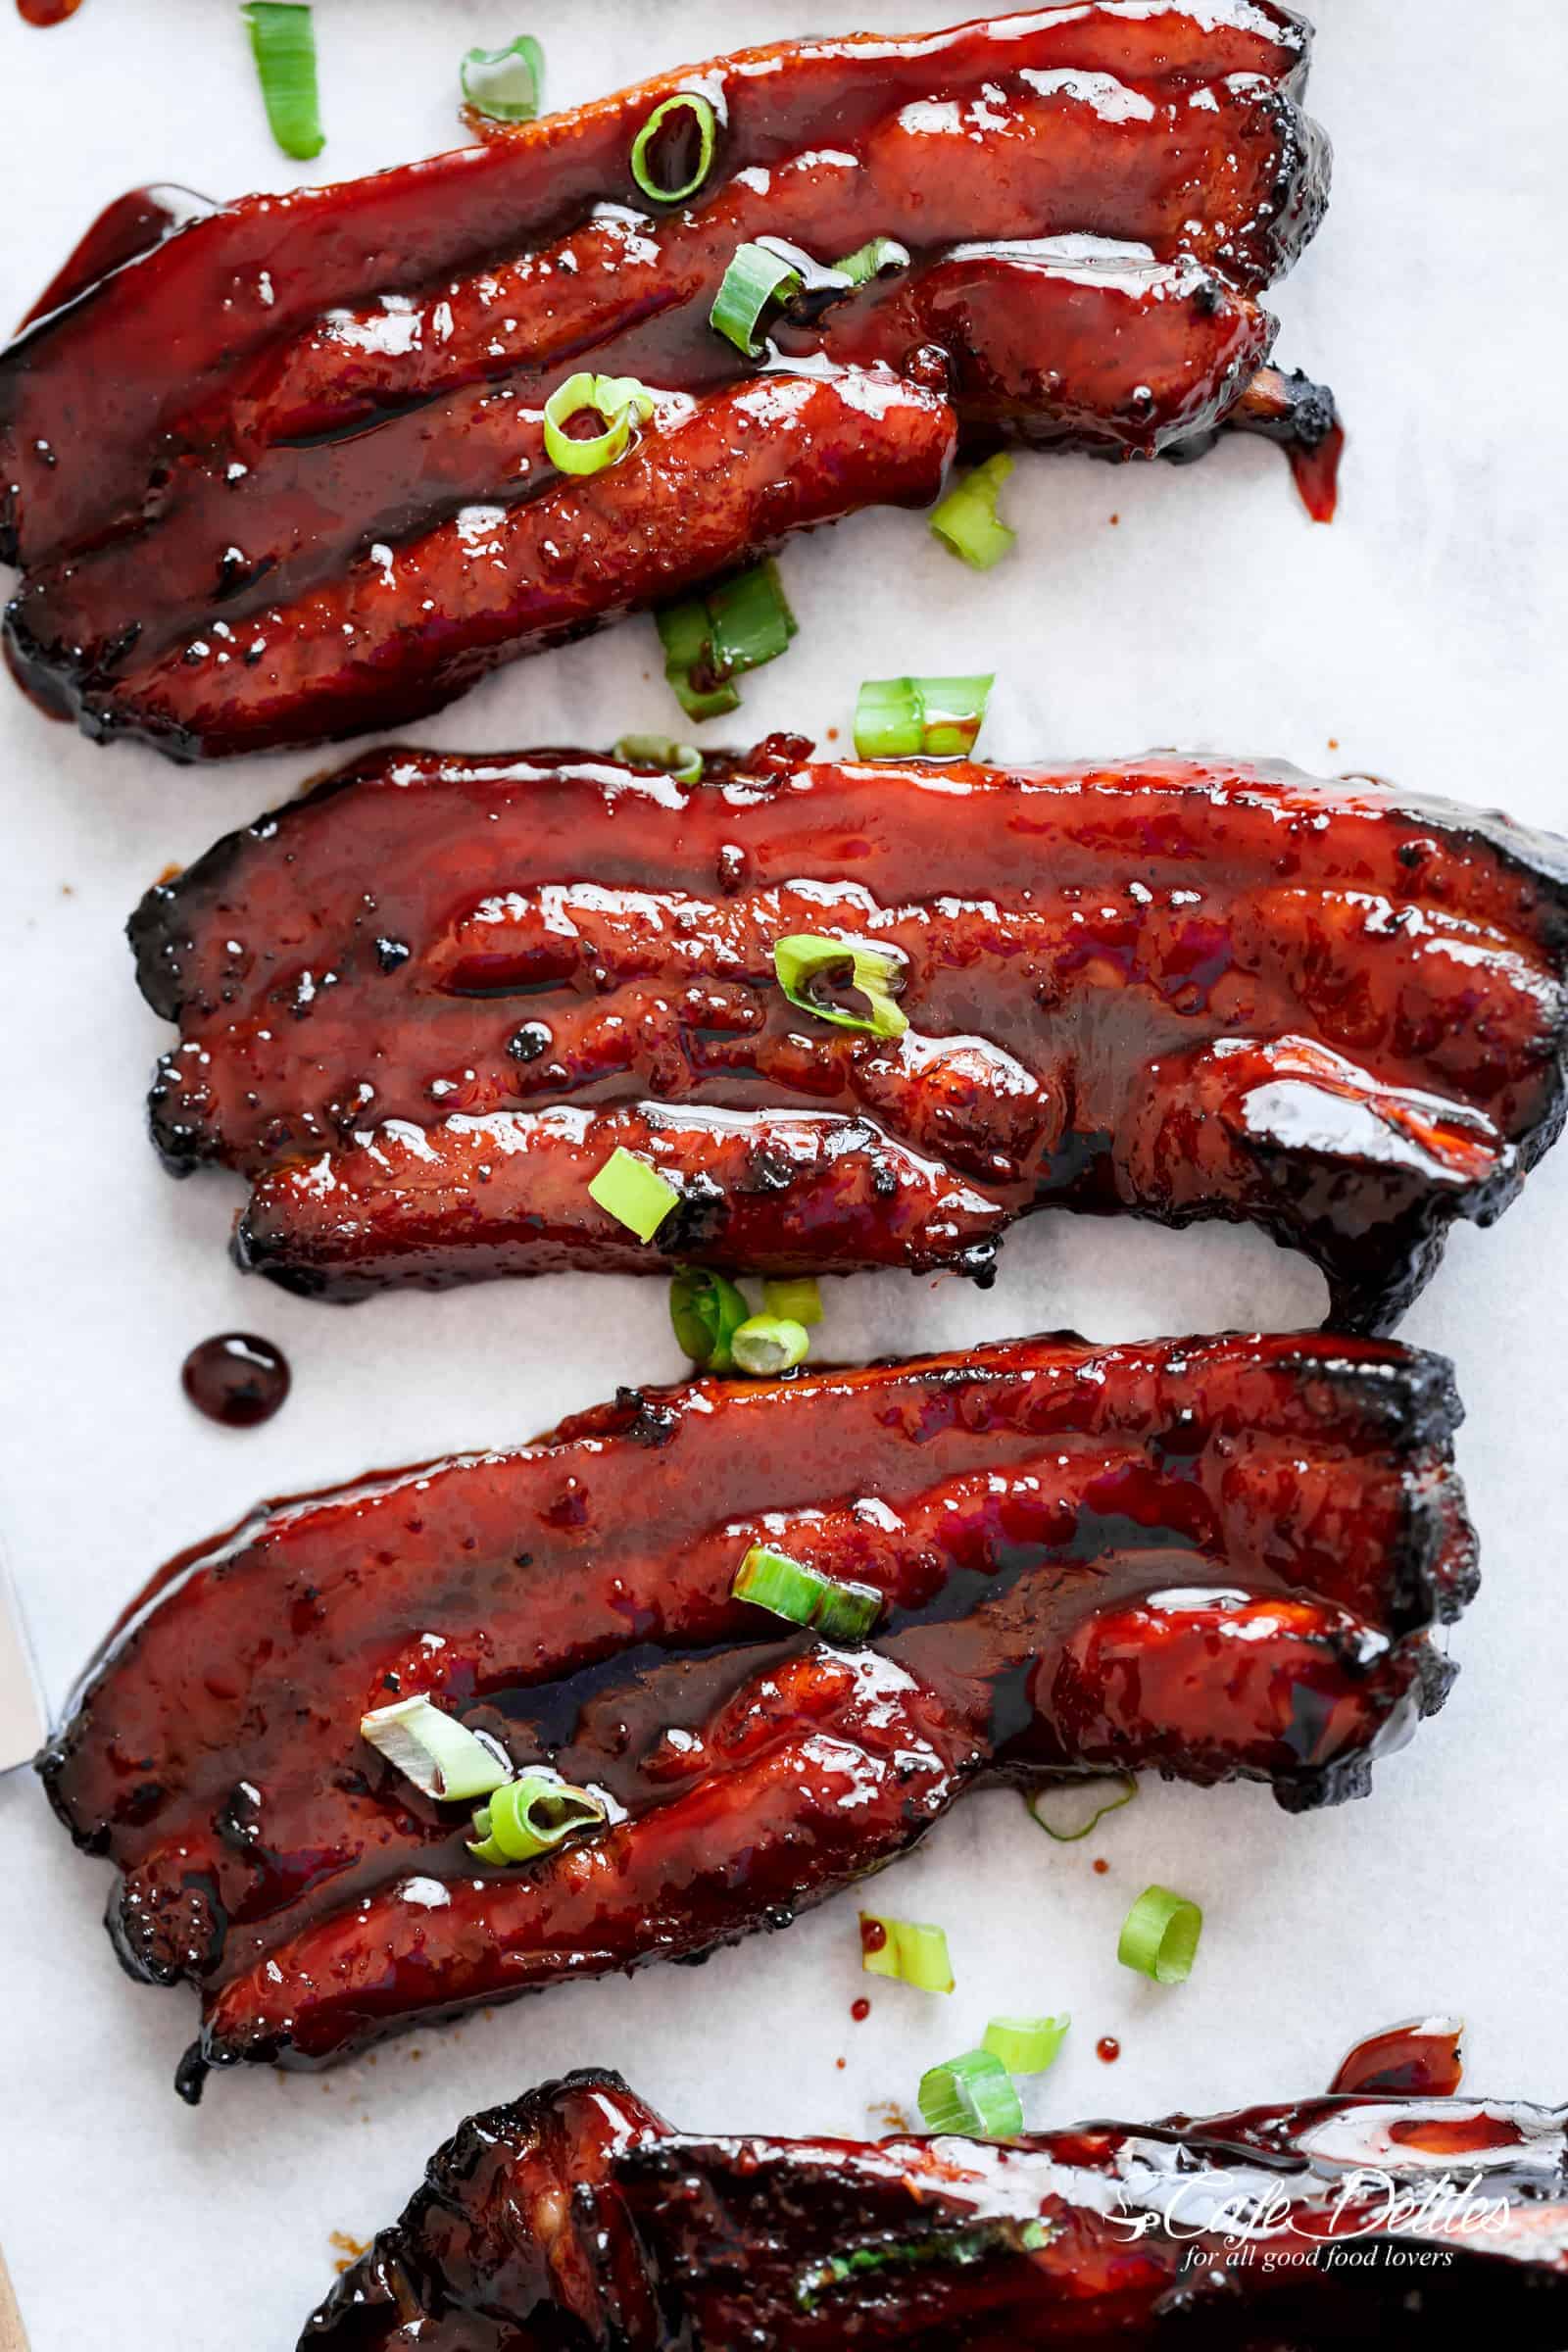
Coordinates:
(1212, 1558)
(576, 2218)
(420, 1008)
(274, 471)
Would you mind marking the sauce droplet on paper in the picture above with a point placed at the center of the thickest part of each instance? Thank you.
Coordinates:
(237, 1378)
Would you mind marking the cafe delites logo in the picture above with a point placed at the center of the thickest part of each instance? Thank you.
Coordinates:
(1368, 2220)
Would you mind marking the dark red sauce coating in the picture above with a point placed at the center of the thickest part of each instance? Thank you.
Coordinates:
(282, 478)
(1208, 1557)
(1422, 2059)
(420, 1008)
(582, 2219)
(237, 1378)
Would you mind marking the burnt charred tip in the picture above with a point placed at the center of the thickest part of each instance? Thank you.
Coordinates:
(190, 2075)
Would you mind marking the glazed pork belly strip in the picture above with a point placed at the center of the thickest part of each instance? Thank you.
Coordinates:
(275, 473)
(575, 2216)
(1212, 1558)
(420, 1008)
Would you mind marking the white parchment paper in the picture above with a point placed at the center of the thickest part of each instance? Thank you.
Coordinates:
(1420, 637)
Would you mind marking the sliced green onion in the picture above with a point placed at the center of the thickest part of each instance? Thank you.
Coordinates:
(706, 1311)
(830, 1605)
(1159, 1936)
(1114, 1804)
(942, 2247)
(897, 718)
(284, 45)
(973, 2095)
(755, 278)
(707, 123)
(634, 1194)
(765, 1344)
(690, 664)
(619, 398)
(798, 1299)
(533, 1815)
(905, 1949)
(1026, 2045)
(968, 520)
(682, 761)
(876, 259)
(506, 85)
(751, 616)
(434, 1750)
(808, 957)
(708, 639)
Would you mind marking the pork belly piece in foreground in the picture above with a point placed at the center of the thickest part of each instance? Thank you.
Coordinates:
(576, 2217)
(420, 1008)
(278, 473)
(1212, 1558)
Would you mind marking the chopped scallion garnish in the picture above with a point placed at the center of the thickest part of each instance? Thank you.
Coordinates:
(709, 639)
(973, 2095)
(284, 45)
(506, 85)
(879, 259)
(905, 1949)
(766, 1345)
(682, 761)
(434, 1750)
(706, 1311)
(830, 1605)
(666, 117)
(796, 1298)
(899, 719)
(1159, 1936)
(808, 960)
(620, 400)
(968, 520)
(634, 1194)
(1026, 2045)
(532, 1816)
(755, 278)
(1033, 1800)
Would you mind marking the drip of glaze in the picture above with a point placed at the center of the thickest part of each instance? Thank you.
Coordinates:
(237, 1379)
(860, 2010)
(1421, 2060)
(1316, 473)
(46, 12)
(1108, 2048)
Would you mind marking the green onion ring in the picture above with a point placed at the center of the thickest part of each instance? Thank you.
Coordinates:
(1159, 1936)
(767, 1345)
(807, 956)
(708, 639)
(755, 278)
(796, 1298)
(284, 45)
(830, 1605)
(1032, 1799)
(968, 522)
(973, 2096)
(903, 718)
(619, 398)
(707, 126)
(879, 259)
(706, 1310)
(909, 1949)
(682, 761)
(1026, 2045)
(440, 1756)
(533, 1815)
(504, 85)
(633, 1192)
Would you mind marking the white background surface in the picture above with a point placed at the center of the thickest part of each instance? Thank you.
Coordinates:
(1423, 635)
